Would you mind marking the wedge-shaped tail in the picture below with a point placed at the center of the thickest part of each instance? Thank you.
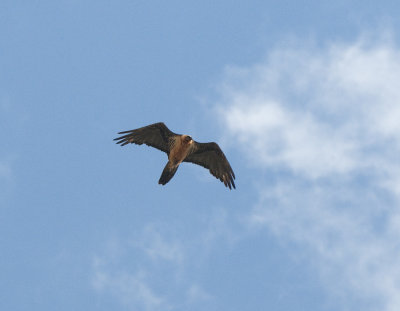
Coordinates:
(168, 172)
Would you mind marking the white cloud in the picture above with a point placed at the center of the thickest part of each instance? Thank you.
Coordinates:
(157, 247)
(349, 238)
(291, 139)
(126, 269)
(325, 122)
(7, 156)
(131, 289)
(6, 177)
(151, 270)
(195, 293)
(5, 171)
(316, 111)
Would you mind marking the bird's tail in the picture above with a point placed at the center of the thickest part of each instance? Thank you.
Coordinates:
(168, 172)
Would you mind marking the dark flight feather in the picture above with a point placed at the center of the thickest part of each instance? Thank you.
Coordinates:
(156, 135)
(210, 156)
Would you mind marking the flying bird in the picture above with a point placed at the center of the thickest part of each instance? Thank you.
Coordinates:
(180, 148)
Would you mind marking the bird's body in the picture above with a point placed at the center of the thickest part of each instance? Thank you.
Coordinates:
(181, 148)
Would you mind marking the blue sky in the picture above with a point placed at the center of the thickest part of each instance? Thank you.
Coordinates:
(303, 98)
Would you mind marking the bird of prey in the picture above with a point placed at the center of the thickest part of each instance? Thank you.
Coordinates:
(180, 148)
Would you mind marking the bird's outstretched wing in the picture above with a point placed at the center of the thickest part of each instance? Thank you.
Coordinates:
(156, 135)
(210, 155)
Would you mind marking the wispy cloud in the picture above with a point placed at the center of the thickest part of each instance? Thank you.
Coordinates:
(155, 245)
(5, 171)
(320, 111)
(9, 119)
(324, 122)
(343, 231)
(157, 268)
(126, 269)
(132, 290)
(6, 177)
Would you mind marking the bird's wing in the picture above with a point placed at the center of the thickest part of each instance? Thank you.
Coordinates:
(210, 155)
(156, 135)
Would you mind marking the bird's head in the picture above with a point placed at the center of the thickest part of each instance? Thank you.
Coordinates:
(187, 139)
